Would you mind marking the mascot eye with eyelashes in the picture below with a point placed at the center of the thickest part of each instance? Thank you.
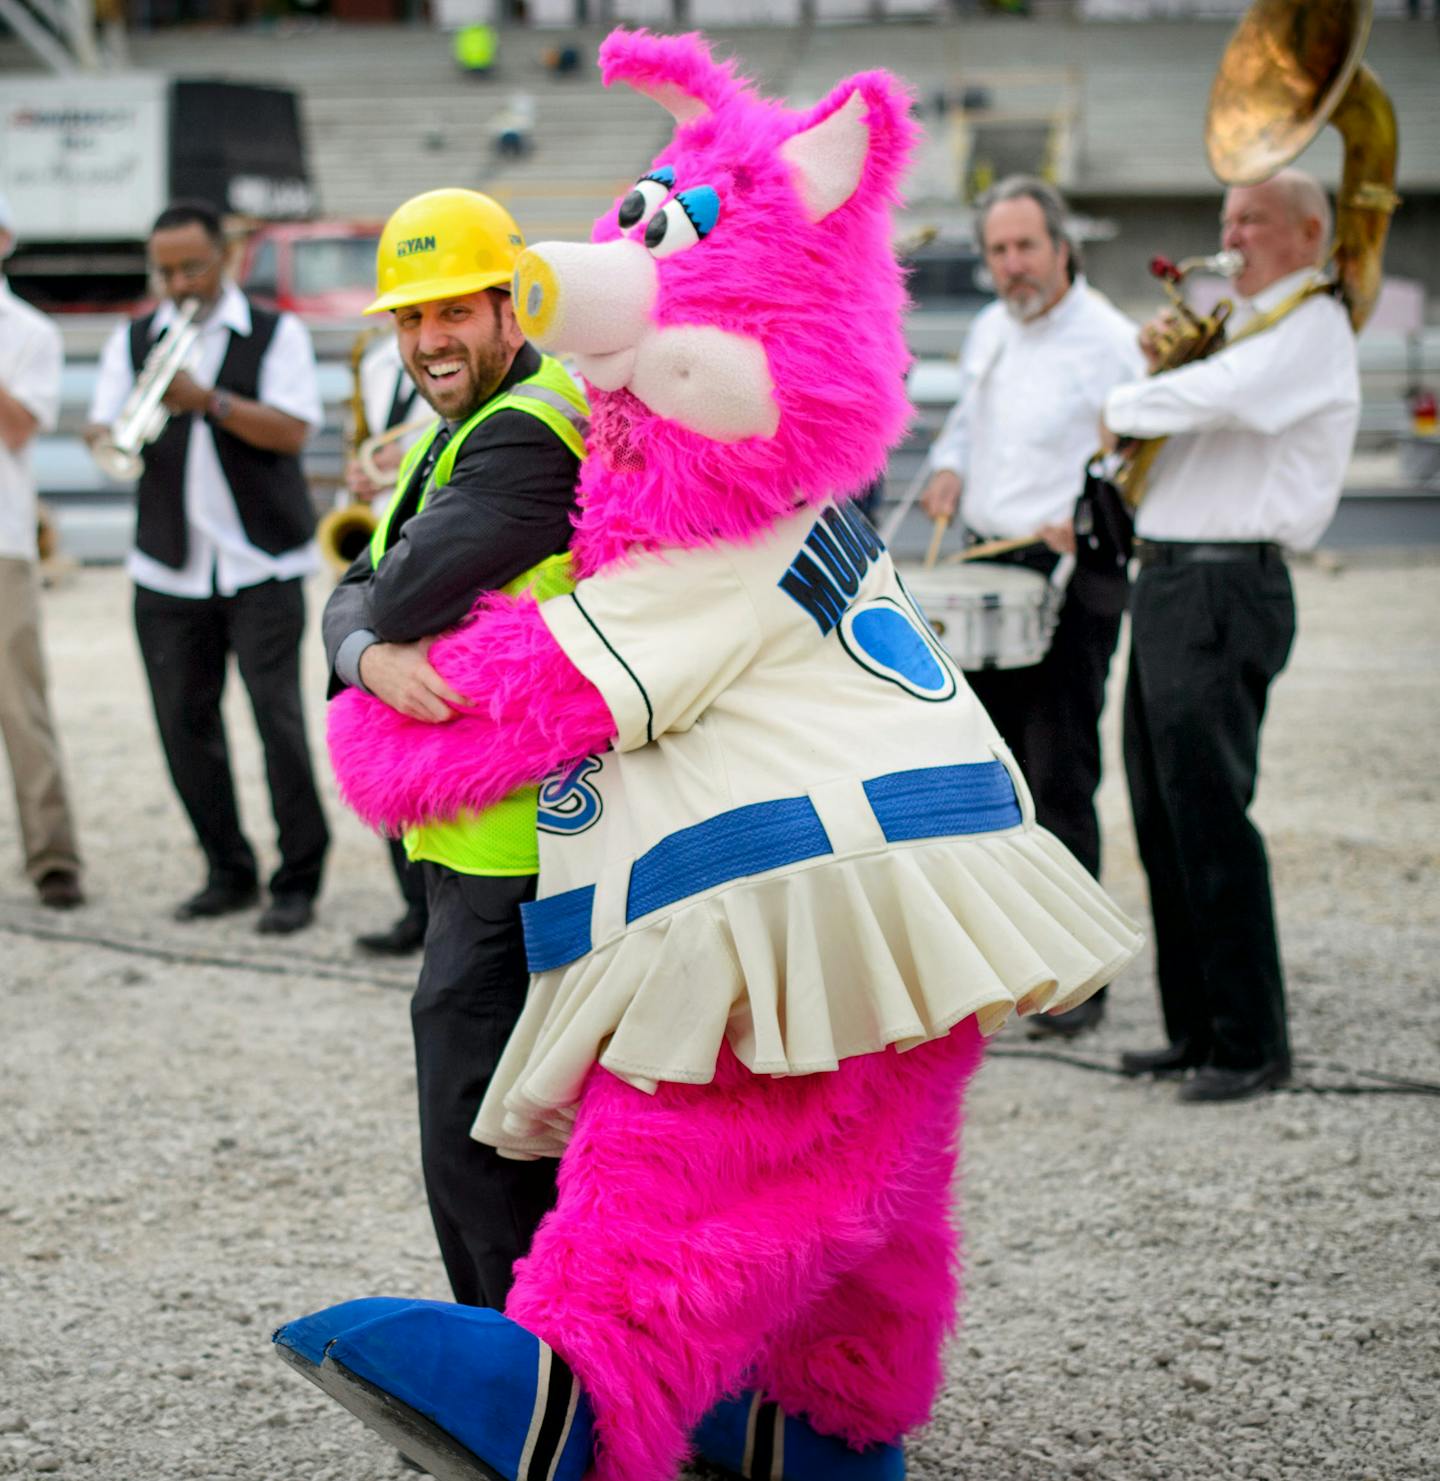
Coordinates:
(642, 202)
(688, 219)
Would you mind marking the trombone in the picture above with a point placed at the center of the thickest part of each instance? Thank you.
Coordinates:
(143, 417)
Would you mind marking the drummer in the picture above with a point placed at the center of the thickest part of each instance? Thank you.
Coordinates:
(1035, 370)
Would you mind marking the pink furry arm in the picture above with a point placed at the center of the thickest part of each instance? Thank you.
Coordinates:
(533, 712)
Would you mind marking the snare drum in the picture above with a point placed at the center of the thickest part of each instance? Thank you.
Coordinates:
(987, 615)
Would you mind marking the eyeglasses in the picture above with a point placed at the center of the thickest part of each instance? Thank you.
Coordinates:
(194, 268)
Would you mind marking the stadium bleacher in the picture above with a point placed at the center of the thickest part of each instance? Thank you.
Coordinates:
(387, 115)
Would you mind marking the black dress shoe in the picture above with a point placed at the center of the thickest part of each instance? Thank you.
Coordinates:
(217, 899)
(1066, 1025)
(59, 889)
(405, 936)
(1174, 1059)
(1216, 1084)
(286, 914)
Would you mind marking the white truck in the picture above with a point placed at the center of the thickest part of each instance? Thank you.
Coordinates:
(89, 162)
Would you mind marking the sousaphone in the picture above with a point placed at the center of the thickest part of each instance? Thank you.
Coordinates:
(1291, 67)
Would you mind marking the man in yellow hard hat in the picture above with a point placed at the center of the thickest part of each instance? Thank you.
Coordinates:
(483, 503)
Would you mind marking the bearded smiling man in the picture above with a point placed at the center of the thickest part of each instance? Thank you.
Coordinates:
(1036, 368)
(483, 502)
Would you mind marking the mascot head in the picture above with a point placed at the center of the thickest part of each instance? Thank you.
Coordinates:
(737, 314)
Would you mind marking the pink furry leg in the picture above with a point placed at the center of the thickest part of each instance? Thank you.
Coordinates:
(695, 1225)
(863, 1362)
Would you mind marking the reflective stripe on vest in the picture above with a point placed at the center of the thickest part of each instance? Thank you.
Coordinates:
(501, 840)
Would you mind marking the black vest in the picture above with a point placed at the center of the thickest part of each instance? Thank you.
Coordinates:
(269, 488)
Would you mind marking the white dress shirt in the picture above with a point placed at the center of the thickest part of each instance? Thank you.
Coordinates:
(380, 372)
(31, 357)
(1029, 410)
(1260, 433)
(219, 558)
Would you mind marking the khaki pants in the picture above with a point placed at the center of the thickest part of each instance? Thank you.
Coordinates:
(46, 831)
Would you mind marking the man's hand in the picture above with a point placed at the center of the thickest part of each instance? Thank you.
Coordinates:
(184, 394)
(399, 675)
(360, 484)
(1059, 537)
(360, 487)
(941, 496)
(1154, 334)
(1109, 440)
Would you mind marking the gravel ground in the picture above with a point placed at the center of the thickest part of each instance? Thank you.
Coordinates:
(204, 1133)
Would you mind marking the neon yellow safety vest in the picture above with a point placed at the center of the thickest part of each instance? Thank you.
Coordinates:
(501, 840)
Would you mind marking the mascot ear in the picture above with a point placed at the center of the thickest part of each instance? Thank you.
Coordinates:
(863, 135)
(676, 71)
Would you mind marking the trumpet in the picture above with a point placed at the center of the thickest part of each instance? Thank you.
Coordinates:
(143, 417)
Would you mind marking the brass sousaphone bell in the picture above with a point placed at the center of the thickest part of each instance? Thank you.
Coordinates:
(1291, 67)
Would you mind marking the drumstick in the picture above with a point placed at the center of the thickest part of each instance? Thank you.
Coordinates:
(993, 547)
(942, 523)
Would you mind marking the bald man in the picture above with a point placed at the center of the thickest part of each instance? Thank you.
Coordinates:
(1259, 440)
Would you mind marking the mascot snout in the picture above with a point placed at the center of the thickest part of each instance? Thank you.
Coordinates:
(575, 298)
(595, 301)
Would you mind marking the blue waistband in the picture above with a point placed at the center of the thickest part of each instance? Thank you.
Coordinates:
(931, 802)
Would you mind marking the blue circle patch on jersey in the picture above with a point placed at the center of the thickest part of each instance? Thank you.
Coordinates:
(884, 638)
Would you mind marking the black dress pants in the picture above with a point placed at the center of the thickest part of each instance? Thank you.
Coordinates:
(186, 644)
(409, 876)
(485, 1207)
(1207, 641)
(1049, 714)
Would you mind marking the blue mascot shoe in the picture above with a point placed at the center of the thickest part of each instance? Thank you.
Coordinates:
(750, 1438)
(464, 1391)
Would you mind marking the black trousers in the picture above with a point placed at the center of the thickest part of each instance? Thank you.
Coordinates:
(186, 646)
(409, 876)
(1207, 641)
(1049, 714)
(485, 1207)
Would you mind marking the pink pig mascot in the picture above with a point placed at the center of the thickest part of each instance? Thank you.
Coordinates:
(789, 874)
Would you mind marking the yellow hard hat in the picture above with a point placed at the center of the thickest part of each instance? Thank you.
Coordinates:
(444, 244)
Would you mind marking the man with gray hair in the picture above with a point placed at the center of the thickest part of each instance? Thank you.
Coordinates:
(1259, 441)
(1035, 369)
(30, 362)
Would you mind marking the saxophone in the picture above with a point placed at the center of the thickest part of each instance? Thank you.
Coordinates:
(346, 530)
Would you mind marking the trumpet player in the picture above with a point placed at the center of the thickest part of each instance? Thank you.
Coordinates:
(30, 362)
(1259, 441)
(222, 546)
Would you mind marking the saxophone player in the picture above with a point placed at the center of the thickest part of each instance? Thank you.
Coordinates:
(1259, 441)
(389, 399)
(222, 546)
